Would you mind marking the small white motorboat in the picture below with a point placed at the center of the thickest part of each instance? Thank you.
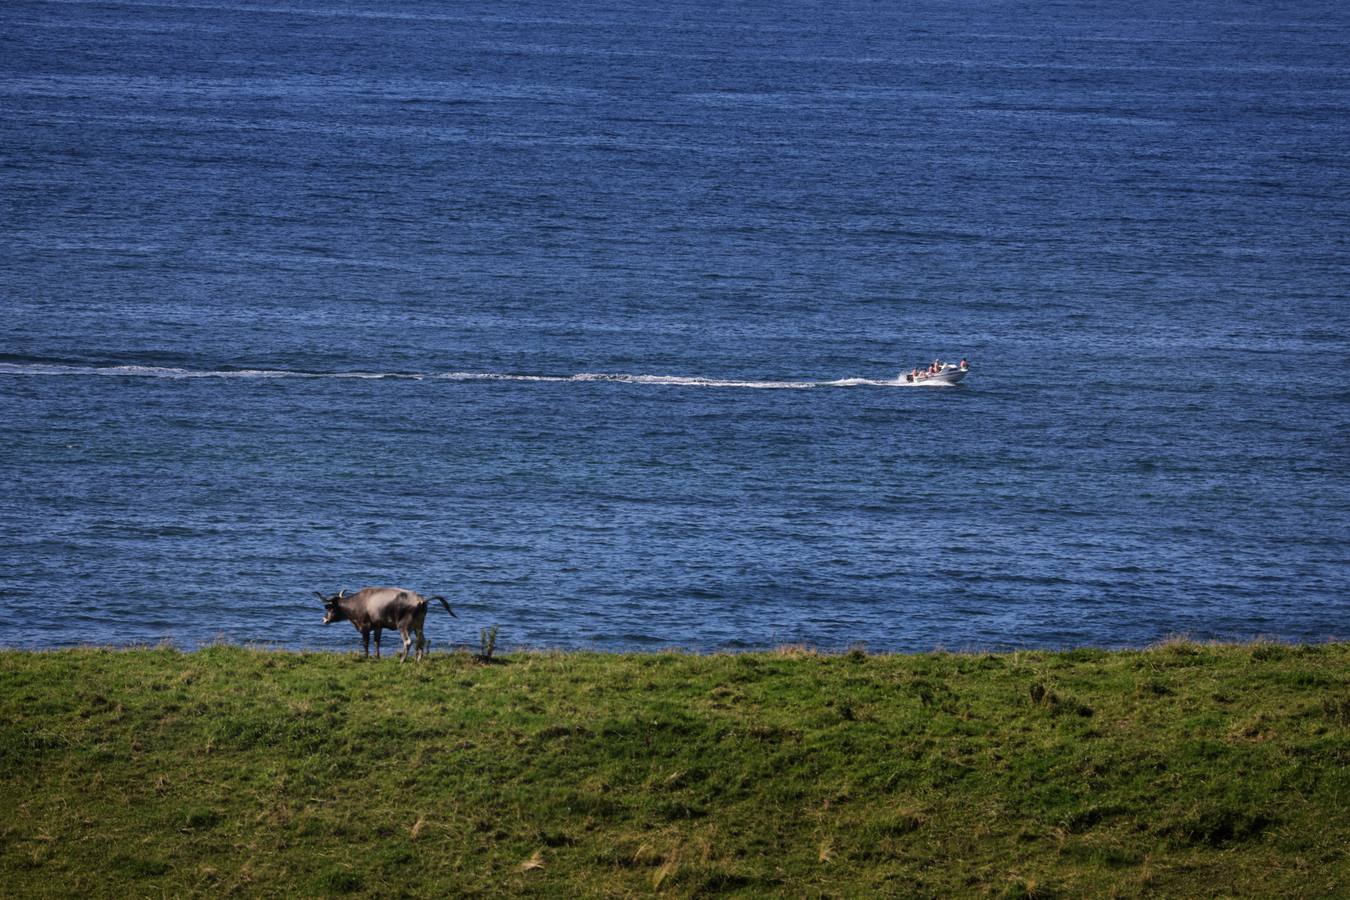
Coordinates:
(946, 373)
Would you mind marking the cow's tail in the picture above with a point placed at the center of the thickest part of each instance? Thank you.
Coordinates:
(445, 604)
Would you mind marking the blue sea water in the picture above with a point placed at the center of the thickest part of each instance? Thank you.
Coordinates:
(589, 316)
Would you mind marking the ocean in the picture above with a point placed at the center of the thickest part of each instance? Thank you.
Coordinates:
(590, 317)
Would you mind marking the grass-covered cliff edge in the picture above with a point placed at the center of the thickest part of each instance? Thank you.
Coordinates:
(1183, 769)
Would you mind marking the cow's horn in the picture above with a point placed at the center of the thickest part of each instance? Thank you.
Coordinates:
(321, 596)
(342, 593)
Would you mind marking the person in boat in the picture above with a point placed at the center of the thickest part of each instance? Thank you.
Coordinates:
(964, 365)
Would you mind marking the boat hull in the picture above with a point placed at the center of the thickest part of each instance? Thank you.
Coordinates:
(948, 375)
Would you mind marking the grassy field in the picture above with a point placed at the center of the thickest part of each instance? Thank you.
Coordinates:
(1185, 769)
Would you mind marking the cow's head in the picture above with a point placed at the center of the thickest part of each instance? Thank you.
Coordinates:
(332, 611)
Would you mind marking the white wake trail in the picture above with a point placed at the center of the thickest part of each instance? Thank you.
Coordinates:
(138, 371)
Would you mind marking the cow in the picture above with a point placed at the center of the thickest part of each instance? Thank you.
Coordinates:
(375, 609)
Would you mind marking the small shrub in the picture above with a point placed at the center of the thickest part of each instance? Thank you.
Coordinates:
(487, 642)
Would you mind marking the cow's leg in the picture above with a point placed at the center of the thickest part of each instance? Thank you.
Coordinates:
(378, 629)
(407, 643)
(365, 640)
(418, 625)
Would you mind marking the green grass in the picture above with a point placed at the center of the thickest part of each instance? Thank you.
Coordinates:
(1185, 769)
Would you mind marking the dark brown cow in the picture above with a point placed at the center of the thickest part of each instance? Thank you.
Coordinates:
(375, 609)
